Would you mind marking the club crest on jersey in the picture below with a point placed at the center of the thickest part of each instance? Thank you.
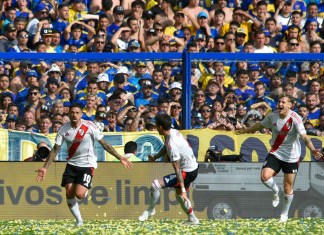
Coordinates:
(288, 125)
(67, 134)
(81, 132)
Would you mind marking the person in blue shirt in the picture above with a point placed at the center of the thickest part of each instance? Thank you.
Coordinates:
(92, 88)
(146, 94)
(241, 89)
(62, 20)
(120, 81)
(89, 111)
(141, 71)
(259, 89)
(159, 85)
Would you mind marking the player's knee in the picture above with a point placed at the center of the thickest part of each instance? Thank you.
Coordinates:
(156, 186)
(265, 176)
(80, 195)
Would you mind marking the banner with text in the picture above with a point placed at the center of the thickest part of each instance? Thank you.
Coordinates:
(221, 191)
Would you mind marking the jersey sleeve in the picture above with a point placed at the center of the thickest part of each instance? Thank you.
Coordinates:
(59, 138)
(266, 122)
(299, 125)
(174, 154)
(97, 135)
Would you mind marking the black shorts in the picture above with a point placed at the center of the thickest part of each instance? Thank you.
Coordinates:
(77, 175)
(276, 164)
(188, 177)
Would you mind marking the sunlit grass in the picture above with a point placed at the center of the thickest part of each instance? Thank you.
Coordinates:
(164, 226)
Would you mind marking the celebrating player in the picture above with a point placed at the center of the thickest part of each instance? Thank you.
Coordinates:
(184, 164)
(287, 126)
(80, 136)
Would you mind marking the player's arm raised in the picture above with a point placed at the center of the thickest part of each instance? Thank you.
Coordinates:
(110, 149)
(42, 171)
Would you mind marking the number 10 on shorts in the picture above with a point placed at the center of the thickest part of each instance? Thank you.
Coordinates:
(86, 179)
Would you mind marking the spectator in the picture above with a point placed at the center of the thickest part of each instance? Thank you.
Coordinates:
(259, 89)
(10, 38)
(175, 113)
(45, 125)
(314, 111)
(20, 125)
(73, 35)
(130, 150)
(40, 15)
(31, 80)
(242, 90)
(146, 93)
(61, 22)
(259, 44)
(33, 100)
(11, 121)
(30, 124)
(21, 43)
(303, 112)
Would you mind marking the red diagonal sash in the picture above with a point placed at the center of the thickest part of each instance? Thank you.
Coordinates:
(77, 140)
(282, 135)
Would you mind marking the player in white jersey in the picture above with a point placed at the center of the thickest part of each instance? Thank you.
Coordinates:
(184, 163)
(287, 127)
(80, 137)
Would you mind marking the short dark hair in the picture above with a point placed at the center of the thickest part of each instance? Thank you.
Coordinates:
(163, 120)
(130, 147)
(76, 105)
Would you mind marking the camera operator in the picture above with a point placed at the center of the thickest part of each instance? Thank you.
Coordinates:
(40, 154)
(214, 154)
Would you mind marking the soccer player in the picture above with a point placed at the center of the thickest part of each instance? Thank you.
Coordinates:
(80, 136)
(287, 126)
(184, 163)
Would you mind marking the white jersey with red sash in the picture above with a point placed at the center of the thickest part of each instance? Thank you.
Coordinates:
(80, 143)
(285, 135)
(178, 148)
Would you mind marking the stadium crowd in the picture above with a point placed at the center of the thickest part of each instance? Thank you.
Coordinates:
(126, 95)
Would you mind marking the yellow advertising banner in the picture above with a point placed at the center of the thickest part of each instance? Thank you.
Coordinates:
(117, 193)
(17, 146)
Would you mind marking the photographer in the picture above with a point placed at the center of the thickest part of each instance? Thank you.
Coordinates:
(40, 154)
(214, 154)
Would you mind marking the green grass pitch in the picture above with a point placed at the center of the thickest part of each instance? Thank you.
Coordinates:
(164, 226)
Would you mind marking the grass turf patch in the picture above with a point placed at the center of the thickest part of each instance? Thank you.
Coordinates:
(164, 226)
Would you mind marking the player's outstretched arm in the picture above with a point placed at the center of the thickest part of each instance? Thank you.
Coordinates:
(161, 153)
(316, 152)
(110, 149)
(42, 171)
(253, 128)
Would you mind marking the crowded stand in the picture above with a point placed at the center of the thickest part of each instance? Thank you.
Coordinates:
(127, 95)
